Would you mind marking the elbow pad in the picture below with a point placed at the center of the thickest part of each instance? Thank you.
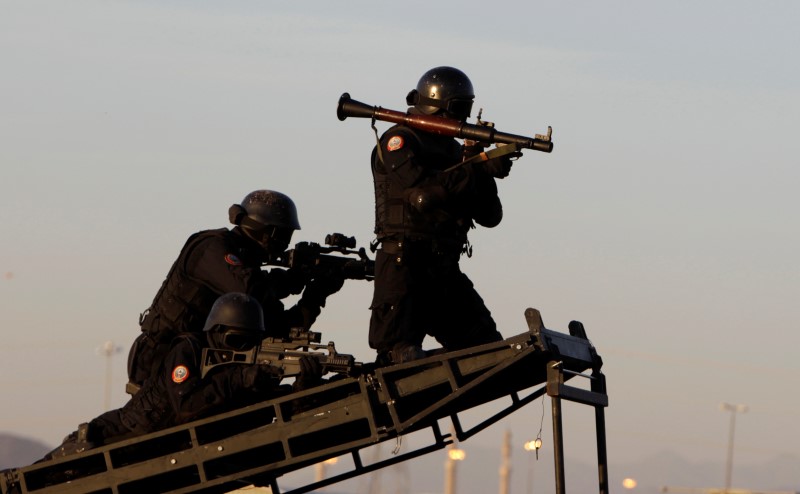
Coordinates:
(489, 216)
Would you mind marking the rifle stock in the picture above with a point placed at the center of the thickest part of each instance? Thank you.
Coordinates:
(434, 124)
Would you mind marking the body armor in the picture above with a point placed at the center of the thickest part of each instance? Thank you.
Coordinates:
(182, 304)
(396, 216)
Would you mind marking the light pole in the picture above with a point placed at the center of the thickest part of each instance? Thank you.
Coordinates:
(107, 350)
(734, 409)
(454, 455)
(505, 466)
(320, 469)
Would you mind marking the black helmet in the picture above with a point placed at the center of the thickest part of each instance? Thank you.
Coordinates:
(268, 217)
(267, 208)
(236, 322)
(443, 89)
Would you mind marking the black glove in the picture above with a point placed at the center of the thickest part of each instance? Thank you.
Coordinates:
(498, 167)
(473, 148)
(322, 286)
(310, 374)
(261, 377)
(287, 282)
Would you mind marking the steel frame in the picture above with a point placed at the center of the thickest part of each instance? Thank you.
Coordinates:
(260, 443)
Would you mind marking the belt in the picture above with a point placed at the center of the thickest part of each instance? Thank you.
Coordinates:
(396, 247)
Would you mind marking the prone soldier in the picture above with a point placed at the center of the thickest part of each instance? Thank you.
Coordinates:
(179, 392)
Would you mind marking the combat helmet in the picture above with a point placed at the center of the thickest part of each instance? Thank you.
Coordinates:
(443, 90)
(235, 322)
(268, 217)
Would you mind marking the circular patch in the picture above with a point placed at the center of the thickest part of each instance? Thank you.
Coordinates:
(233, 260)
(180, 374)
(395, 143)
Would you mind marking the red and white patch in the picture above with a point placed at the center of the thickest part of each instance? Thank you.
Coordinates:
(395, 143)
(233, 260)
(180, 374)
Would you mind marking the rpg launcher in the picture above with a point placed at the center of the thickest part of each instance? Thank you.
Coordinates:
(434, 124)
(285, 354)
(315, 259)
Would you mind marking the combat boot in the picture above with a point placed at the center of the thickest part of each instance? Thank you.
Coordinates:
(75, 442)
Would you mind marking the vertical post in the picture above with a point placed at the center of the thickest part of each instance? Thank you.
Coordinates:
(727, 407)
(321, 469)
(449, 474)
(108, 350)
(558, 445)
(554, 380)
(505, 466)
(319, 472)
(273, 486)
(454, 455)
(729, 462)
(599, 386)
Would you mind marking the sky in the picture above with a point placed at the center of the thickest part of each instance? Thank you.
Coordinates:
(666, 218)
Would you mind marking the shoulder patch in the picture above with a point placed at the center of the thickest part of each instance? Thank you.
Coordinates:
(395, 143)
(233, 260)
(180, 374)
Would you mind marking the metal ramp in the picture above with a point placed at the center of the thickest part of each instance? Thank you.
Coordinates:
(260, 443)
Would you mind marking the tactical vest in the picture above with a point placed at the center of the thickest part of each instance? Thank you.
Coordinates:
(182, 303)
(395, 217)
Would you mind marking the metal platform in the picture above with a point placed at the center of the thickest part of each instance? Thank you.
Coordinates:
(260, 443)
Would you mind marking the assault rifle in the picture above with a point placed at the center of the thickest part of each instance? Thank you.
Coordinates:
(284, 353)
(435, 124)
(313, 258)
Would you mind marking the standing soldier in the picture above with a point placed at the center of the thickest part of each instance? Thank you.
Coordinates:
(213, 262)
(423, 212)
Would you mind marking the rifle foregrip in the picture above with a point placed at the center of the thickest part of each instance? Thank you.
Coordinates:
(338, 363)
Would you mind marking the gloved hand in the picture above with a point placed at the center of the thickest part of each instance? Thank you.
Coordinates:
(322, 286)
(287, 281)
(498, 167)
(260, 377)
(310, 374)
(473, 148)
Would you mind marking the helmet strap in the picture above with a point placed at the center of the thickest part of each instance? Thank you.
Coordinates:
(425, 101)
(251, 224)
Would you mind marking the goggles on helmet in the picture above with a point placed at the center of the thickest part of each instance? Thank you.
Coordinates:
(458, 106)
(237, 339)
(275, 238)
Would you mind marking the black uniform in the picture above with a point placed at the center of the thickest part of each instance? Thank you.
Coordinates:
(211, 263)
(177, 394)
(422, 216)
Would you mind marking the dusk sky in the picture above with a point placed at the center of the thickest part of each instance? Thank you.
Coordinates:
(666, 218)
